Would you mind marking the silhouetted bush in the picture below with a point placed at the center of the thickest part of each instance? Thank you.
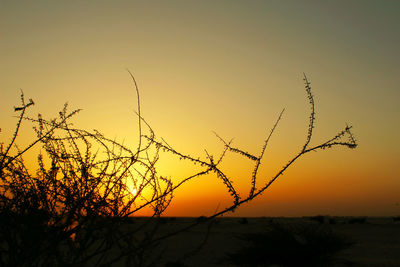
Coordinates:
(359, 220)
(74, 208)
(297, 245)
(332, 221)
(243, 221)
(318, 218)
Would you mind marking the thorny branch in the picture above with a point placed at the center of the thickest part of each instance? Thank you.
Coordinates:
(86, 185)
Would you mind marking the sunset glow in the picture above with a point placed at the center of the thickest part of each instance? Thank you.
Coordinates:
(223, 66)
(133, 191)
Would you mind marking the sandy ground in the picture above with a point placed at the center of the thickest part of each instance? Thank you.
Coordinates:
(376, 241)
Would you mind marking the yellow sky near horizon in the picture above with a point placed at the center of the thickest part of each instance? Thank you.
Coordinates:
(229, 67)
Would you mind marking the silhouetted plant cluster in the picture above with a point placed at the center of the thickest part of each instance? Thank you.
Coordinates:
(357, 220)
(318, 218)
(73, 210)
(324, 219)
(286, 245)
(70, 212)
(243, 220)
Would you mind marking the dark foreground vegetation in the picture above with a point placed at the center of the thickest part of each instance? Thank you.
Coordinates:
(75, 208)
(285, 242)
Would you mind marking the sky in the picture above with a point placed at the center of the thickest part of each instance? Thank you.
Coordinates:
(228, 67)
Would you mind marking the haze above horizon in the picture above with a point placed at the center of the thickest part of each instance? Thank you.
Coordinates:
(228, 67)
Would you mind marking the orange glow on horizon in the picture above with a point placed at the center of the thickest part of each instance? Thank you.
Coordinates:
(231, 73)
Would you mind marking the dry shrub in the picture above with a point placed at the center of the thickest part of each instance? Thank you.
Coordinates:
(299, 244)
(74, 209)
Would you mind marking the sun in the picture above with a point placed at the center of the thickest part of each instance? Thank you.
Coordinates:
(133, 191)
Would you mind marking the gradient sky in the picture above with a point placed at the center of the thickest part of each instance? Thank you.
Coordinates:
(229, 67)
